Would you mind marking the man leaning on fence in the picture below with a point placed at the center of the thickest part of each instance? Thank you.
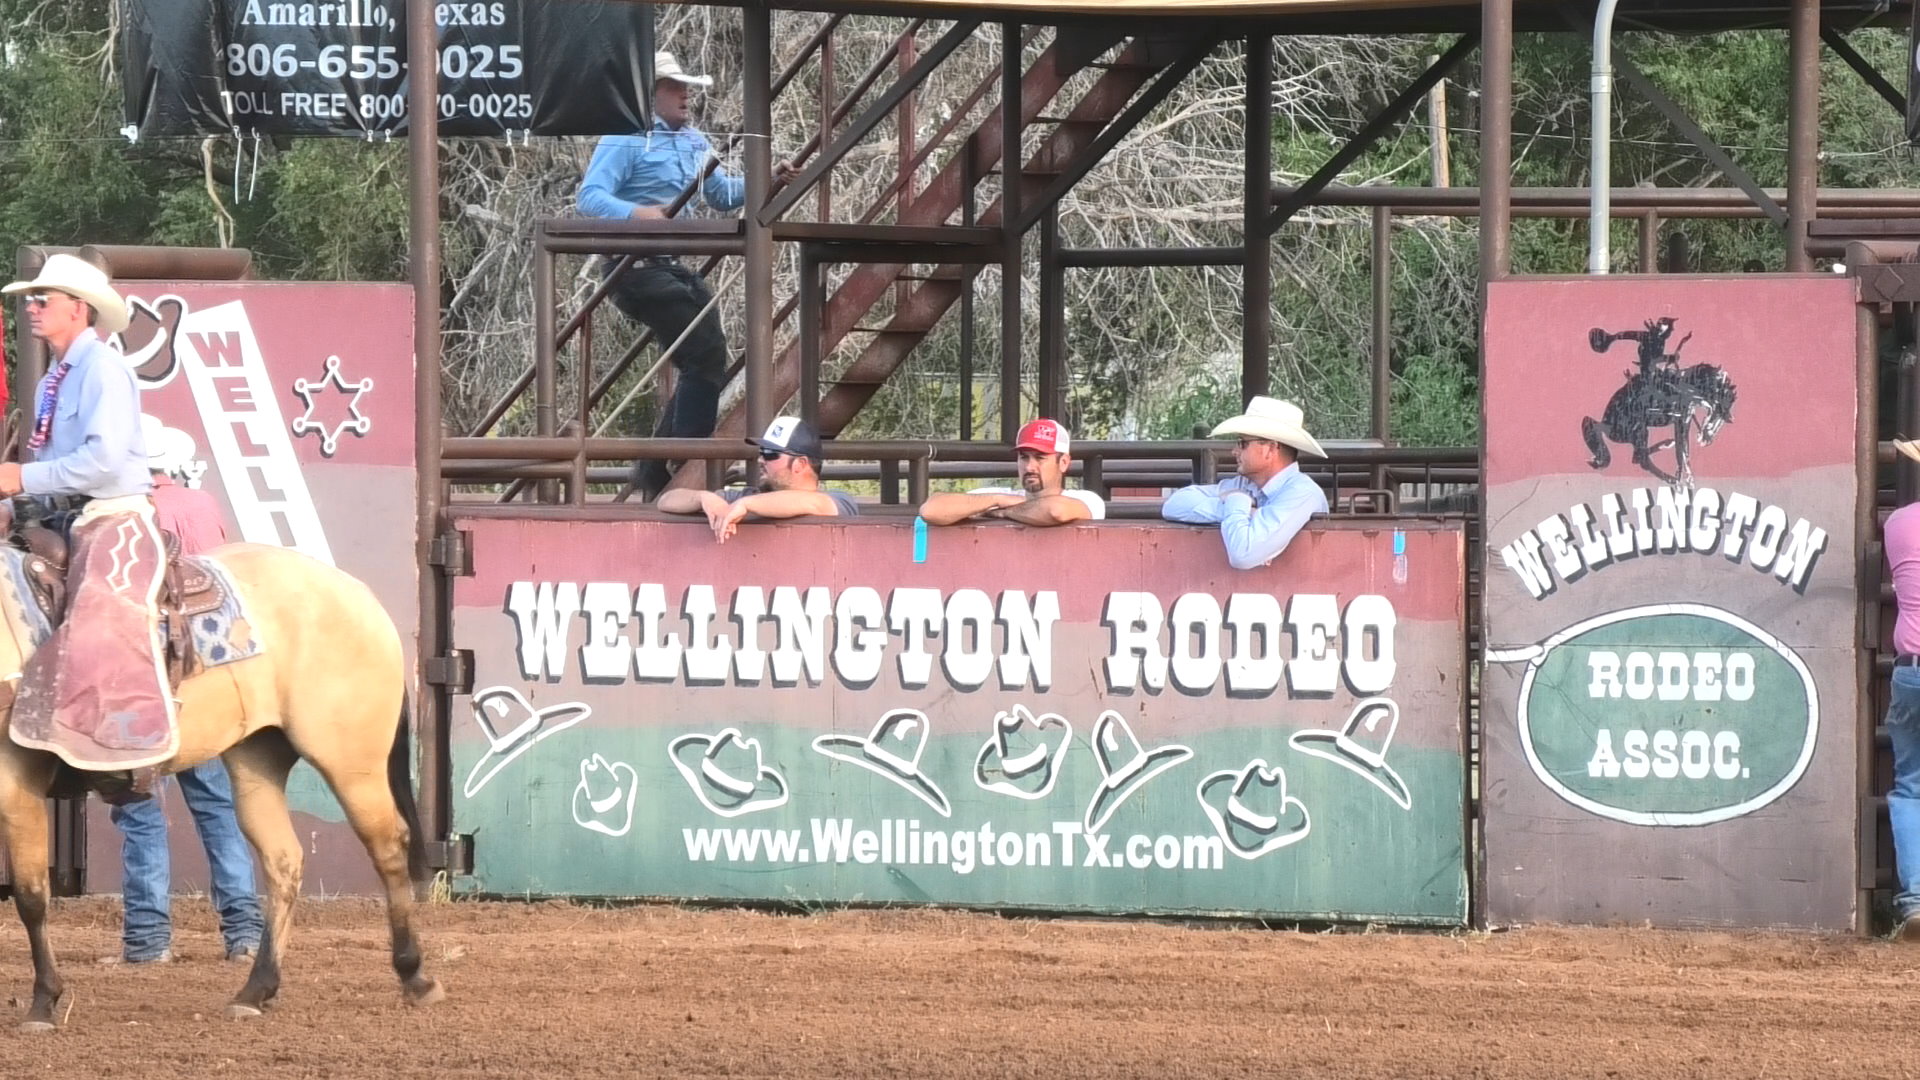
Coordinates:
(639, 177)
(790, 459)
(1042, 454)
(1260, 510)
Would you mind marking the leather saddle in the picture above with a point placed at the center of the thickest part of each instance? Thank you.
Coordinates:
(187, 589)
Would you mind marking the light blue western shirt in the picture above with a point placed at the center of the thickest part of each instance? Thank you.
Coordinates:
(652, 170)
(1257, 524)
(96, 447)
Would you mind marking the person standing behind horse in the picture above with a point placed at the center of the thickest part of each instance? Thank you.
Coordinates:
(146, 935)
(1901, 538)
(96, 693)
(639, 177)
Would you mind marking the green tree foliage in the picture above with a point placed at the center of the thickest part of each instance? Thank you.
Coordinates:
(321, 209)
(1155, 352)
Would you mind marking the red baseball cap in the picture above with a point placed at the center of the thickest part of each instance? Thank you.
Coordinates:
(1046, 436)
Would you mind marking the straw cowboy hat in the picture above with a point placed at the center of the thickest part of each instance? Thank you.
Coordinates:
(1251, 810)
(84, 281)
(1273, 420)
(1908, 447)
(726, 773)
(666, 67)
(168, 449)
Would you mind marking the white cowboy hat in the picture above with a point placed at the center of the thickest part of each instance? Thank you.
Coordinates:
(892, 749)
(1125, 765)
(86, 282)
(666, 67)
(1907, 447)
(1251, 810)
(1273, 420)
(1362, 746)
(168, 449)
(726, 772)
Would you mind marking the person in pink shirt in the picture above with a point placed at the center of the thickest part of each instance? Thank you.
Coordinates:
(1902, 540)
(146, 935)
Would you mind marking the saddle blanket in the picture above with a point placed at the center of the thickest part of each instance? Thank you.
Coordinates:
(220, 636)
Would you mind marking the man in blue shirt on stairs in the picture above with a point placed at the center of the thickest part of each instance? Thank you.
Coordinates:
(638, 177)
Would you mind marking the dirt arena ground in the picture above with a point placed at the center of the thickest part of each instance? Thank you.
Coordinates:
(559, 990)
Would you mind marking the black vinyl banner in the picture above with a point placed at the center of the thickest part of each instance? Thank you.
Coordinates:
(340, 67)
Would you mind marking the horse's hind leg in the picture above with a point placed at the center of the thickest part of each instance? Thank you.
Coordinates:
(259, 768)
(24, 809)
(375, 817)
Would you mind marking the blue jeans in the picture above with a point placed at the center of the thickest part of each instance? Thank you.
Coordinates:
(148, 873)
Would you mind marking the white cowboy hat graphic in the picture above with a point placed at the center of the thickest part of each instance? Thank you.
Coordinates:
(84, 281)
(1022, 757)
(1124, 766)
(893, 750)
(1362, 746)
(1273, 420)
(606, 789)
(1251, 810)
(512, 725)
(726, 773)
(666, 67)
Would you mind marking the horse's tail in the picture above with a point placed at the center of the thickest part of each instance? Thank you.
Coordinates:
(400, 780)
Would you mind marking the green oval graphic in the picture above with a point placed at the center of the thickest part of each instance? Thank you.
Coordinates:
(1670, 714)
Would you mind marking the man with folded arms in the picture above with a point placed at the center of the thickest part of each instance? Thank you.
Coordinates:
(1261, 509)
(790, 460)
(1040, 454)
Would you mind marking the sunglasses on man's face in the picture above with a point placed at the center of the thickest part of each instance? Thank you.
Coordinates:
(1246, 442)
(772, 455)
(38, 300)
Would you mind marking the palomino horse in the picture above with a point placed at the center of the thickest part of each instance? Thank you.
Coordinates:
(328, 686)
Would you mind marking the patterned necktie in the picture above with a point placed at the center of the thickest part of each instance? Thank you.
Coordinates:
(43, 414)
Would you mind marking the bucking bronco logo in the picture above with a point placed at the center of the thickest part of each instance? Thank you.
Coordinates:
(1660, 394)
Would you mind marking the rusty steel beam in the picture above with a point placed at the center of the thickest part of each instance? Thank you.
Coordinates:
(1495, 173)
(1693, 133)
(1803, 129)
(1138, 257)
(757, 122)
(1842, 48)
(864, 124)
(943, 193)
(432, 714)
(869, 370)
(1377, 125)
(1053, 319)
(812, 303)
(1082, 162)
(1256, 247)
(819, 41)
(1670, 201)
(143, 263)
(1013, 123)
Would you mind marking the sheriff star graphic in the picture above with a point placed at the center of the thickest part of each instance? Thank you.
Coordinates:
(312, 393)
